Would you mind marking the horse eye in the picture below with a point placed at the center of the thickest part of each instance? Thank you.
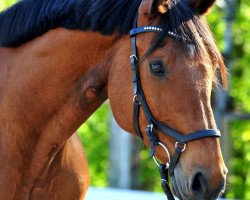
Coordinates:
(157, 68)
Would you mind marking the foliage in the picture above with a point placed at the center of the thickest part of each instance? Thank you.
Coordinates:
(241, 58)
(95, 139)
(149, 175)
(94, 133)
(5, 3)
(239, 176)
(239, 179)
(241, 95)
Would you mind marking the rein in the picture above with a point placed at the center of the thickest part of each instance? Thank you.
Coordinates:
(166, 170)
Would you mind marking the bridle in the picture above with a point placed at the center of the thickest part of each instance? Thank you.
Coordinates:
(152, 123)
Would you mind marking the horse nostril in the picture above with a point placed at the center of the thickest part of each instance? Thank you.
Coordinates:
(198, 185)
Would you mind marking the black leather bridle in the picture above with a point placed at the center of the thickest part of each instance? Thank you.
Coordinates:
(152, 123)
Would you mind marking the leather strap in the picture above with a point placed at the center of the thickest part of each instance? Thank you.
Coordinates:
(144, 29)
(169, 131)
(164, 181)
(174, 160)
(153, 139)
(136, 118)
(135, 77)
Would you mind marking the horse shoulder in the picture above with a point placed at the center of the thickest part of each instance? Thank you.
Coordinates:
(65, 168)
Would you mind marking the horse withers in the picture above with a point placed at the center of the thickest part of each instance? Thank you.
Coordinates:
(155, 60)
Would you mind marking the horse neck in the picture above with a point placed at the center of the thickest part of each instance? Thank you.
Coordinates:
(55, 83)
(76, 70)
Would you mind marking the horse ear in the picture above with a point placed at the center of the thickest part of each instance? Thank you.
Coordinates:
(202, 6)
(153, 7)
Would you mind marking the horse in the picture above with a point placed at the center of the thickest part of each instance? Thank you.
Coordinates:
(60, 60)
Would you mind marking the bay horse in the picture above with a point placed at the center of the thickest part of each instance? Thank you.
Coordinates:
(61, 59)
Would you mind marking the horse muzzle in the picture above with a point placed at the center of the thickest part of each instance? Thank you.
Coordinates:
(201, 184)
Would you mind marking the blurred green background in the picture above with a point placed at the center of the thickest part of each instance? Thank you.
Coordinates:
(239, 91)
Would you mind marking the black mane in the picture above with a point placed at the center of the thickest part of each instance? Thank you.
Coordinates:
(31, 18)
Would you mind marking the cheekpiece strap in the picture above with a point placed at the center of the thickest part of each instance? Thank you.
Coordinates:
(136, 118)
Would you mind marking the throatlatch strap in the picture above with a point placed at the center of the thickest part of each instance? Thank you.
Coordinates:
(164, 181)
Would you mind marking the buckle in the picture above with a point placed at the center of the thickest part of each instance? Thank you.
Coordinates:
(180, 146)
(133, 61)
(133, 56)
(135, 98)
(151, 126)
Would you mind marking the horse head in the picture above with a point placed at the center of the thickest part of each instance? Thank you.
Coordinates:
(175, 64)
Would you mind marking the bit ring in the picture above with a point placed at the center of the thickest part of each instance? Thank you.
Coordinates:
(165, 148)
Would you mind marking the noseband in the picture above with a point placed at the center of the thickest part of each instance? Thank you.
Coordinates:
(152, 123)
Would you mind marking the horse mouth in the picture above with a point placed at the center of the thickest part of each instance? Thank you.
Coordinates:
(181, 191)
(177, 189)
